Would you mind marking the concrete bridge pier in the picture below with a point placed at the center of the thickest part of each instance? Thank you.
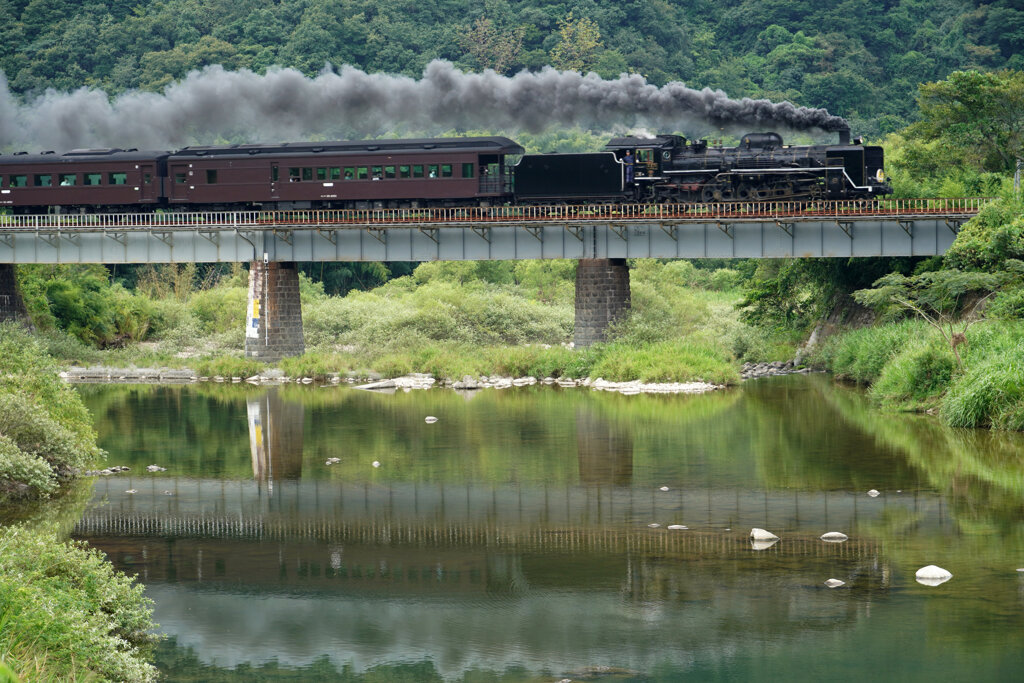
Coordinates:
(602, 297)
(274, 314)
(12, 307)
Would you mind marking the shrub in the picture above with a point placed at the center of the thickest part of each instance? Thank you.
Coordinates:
(65, 614)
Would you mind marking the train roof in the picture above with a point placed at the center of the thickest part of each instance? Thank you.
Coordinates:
(80, 155)
(484, 145)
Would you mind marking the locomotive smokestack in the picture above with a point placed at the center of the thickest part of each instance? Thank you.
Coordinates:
(844, 136)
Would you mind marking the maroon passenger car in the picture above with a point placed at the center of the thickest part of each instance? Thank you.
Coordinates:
(88, 180)
(346, 174)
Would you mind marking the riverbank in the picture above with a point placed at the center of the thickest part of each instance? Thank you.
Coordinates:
(908, 366)
(65, 614)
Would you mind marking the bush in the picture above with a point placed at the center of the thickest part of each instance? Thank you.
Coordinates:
(65, 614)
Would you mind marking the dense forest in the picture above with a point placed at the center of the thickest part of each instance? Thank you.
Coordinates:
(861, 59)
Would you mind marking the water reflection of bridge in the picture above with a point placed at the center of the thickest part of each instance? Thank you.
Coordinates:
(565, 518)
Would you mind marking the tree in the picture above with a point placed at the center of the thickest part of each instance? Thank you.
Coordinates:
(937, 297)
(491, 47)
(981, 114)
(578, 44)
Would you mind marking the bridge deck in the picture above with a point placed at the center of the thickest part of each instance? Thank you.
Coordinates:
(880, 227)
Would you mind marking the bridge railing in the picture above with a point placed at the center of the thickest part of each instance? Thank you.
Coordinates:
(767, 210)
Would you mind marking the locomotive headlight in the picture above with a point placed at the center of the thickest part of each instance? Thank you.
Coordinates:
(880, 175)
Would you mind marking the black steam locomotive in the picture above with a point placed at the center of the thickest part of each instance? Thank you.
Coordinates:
(668, 168)
(436, 172)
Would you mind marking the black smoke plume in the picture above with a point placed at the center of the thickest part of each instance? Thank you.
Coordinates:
(214, 105)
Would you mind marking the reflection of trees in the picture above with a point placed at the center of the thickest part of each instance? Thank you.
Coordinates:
(805, 441)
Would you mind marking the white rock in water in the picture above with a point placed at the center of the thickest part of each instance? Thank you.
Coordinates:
(430, 419)
(834, 537)
(763, 545)
(835, 583)
(663, 488)
(677, 526)
(376, 463)
(873, 493)
(762, 535)
(932, 575)
(654, 525)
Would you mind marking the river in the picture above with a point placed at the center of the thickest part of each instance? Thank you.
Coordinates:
(525, 535)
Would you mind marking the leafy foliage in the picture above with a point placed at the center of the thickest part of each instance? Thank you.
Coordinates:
(67, 615)
(859, 59)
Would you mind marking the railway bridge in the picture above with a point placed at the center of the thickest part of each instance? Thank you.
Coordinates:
(601, 237)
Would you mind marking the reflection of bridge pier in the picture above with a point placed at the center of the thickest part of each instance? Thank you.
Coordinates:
(275, 437)
(604, 454)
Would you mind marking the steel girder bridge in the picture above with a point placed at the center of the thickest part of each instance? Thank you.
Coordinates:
(838, 229)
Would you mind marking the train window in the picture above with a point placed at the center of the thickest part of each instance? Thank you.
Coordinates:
(93, 178)
(43, 180)
(147, 178)
(467, 170)
(19, 181)
(321, 174)
(389, 171)
(432, 173)
(274, 174)
(293, 175)
(68, 179)
(335, 173)
(179, 178)
(211, 176)
(307, 173)
(417, 171)
(446, 170)
(377, 172)
(403, 171)
(362, 173)
(118, 179)
(350, 172)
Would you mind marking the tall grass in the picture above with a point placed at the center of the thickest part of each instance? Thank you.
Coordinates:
(910, 367)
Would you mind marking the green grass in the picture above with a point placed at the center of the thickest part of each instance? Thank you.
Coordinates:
(909, 367)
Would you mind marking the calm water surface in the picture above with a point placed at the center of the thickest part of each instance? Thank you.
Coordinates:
(513, 539)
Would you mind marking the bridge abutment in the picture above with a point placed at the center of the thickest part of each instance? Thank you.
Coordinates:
(274, 314)
(12, 307)
(602, 297)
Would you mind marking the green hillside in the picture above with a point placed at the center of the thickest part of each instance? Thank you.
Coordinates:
(860, 59)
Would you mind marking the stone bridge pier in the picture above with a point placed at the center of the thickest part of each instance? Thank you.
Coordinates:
(602, 297)
(274, 313)
(12, 307)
